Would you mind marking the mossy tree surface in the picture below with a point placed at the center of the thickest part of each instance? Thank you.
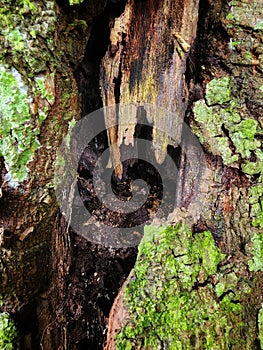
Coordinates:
(9, 339)
(185, 295)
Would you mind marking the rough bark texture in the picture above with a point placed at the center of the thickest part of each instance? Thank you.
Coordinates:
(203, 61)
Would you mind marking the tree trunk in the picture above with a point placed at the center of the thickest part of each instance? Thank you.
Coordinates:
(202, 64)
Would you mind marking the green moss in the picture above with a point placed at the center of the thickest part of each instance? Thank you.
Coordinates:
(218, 91)
(8, 333)
(26, 35)
(256, 264)
(240, 137)
(171, 301)
(75, 2)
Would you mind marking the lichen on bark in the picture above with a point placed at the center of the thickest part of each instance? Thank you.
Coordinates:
(227, 128)
(228, 119)
(27, 88)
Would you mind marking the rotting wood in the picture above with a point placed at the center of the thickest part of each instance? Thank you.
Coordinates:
(146, 63)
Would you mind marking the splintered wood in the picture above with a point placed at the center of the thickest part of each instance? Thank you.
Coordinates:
(146, 63)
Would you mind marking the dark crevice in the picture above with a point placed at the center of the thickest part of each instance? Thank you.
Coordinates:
(27, 321)
(230, 142)
(96, 272)
(87, 73)
(94, 280)
(117, 81)
(198, 285)
(228, 292)
(133, 169)
(203, 52)
(117, 85)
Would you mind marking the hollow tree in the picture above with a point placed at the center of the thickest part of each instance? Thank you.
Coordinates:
(197, 280)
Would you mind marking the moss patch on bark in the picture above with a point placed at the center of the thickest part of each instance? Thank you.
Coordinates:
(225, 130)
(181, 296)
(8, 333)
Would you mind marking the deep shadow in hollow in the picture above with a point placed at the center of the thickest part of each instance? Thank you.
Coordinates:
(95, 276)
(158, 192)
(96, 272)
(87, 73)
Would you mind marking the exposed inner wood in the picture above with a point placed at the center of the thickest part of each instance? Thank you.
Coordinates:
(146, 63)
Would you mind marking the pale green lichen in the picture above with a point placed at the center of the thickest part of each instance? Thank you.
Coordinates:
(26, 37)
(43, 90)
(23, 26)
(8, 333)
(258, 221)
(222, 130)
(255, 194)
(171, 299)
(256, 264)
(218, 91)
(255, 167)
(226, 131)
(228, 282)
(15, 39)
(244, 26)
(243, 137)
(245, 14)
(226, 124)
(71, 125)
(18, 132)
